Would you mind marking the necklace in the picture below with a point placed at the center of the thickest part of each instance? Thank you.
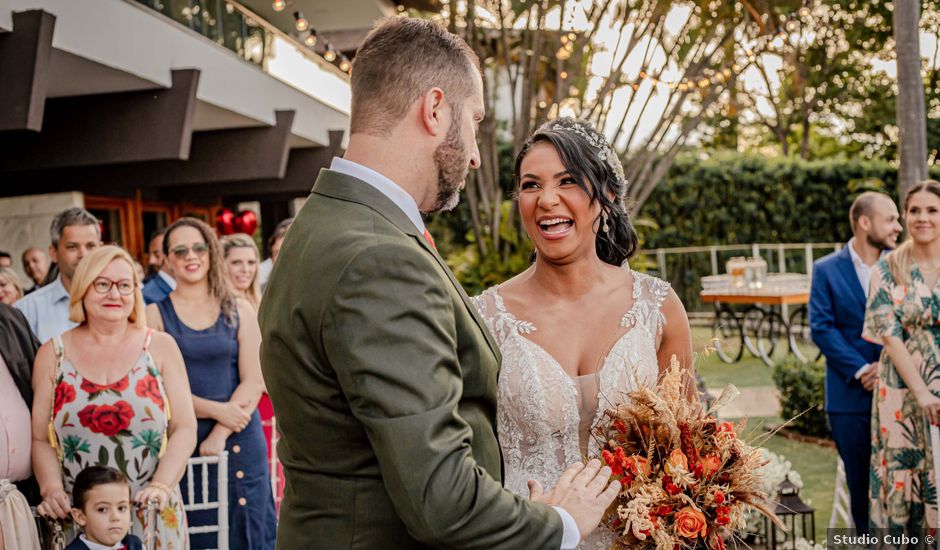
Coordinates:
(930, 271)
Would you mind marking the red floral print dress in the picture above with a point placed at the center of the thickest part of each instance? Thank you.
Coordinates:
(122, 425)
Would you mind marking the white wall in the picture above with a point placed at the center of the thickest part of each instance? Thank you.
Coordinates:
(25, 220)
(6, 15)
(132, 38)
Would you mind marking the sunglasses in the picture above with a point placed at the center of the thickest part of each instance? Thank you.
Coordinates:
(201, 249)
(104, 286)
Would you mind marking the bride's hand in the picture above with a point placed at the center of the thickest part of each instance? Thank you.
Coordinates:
(583, 491)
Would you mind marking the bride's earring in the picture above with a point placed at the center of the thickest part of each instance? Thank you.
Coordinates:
(605, 228)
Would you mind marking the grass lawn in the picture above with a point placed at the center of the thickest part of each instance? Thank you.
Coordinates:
(750, 371)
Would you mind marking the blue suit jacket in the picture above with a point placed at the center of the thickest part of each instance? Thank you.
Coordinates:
(836, 316)
(156, 290)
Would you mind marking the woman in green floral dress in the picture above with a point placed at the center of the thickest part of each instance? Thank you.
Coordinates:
(904, 314)
(104, 392)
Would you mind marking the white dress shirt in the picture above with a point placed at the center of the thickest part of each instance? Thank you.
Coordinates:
(407, 204)
(863, 272)
(96, 546)
(47, 310)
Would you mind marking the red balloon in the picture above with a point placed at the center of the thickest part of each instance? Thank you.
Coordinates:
(225, 221)
(246, 222)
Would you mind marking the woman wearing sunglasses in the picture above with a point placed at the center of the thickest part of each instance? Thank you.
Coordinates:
(220, 339)
(104, 392)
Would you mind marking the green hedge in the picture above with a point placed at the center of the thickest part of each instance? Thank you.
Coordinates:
(802, 396)
(736, 198)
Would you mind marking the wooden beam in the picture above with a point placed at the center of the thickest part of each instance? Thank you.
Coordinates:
(25, 56)
(303, 166)
(108, 129)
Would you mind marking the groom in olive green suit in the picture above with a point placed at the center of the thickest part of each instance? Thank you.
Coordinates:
(382, 374)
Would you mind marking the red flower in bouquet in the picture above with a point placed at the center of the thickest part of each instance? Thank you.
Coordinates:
(710, 465)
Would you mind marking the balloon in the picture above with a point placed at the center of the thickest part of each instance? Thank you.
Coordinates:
(225, 221)
(246, 222)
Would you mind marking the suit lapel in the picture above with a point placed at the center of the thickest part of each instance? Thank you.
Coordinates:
(847, 268)
(463, 294)
(341, 186)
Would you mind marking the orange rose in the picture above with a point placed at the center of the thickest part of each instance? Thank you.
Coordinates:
(690, 523)
(677, 462)
(710, 465)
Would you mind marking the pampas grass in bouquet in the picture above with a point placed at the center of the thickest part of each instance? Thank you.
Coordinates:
(686, 477)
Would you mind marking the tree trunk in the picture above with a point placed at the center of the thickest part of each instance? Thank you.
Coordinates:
(911, 112)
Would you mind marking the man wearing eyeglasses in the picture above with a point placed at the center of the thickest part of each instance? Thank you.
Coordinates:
(75, 233)
(162, 284)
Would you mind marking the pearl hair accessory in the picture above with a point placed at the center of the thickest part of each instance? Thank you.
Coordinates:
(604, 151)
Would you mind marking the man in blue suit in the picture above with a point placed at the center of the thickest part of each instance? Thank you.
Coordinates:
(162, 284)
(836, 314)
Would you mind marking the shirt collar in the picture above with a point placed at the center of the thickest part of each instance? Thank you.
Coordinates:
(387, 187)
(856, 259)
(95, 546)
(167, 279)
(58, 291)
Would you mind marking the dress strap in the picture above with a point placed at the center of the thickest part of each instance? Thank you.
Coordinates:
(147, 340)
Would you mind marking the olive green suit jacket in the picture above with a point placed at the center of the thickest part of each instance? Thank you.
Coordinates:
(383, 379)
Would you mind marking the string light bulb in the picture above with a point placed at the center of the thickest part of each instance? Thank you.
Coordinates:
(330, 55)
(344, 66)
(311, 40)
(278, 5)
(300, 22)
(563, 75)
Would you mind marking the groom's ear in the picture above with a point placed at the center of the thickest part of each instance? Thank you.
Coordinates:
(433, 110)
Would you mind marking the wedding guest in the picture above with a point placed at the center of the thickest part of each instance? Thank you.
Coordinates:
(102, 508)
(162, 283)
(219, 337)
(17, 351)
(10, 288)
(241, 260)
(903, 311)
(105, 391)
(75, 234)
(36, 265)
(241, 263)
(154, 255)
(840, 288)
(6, 260)
(274, 247)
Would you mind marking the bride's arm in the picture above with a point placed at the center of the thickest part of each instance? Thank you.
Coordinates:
(676, 338)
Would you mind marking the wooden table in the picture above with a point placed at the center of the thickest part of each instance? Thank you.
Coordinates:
(760, 319)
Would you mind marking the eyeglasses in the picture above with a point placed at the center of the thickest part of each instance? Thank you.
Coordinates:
(201, 249)
(103, 286)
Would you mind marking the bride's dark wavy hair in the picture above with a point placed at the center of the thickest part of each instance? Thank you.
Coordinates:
(583, 161)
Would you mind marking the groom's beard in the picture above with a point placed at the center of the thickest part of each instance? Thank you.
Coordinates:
(452, 163)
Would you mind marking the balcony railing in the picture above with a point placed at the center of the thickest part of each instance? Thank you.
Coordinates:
(257, 41)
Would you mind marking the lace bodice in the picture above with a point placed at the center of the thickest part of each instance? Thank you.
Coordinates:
(544, 415)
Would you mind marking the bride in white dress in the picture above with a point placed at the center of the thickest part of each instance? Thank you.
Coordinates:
(576, 330)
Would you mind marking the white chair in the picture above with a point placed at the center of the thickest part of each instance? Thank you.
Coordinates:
(221, 503)
(841, 504)
(274, 462)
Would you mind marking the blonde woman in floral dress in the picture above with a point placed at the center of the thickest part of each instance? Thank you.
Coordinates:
(904, 314)
(111, 392)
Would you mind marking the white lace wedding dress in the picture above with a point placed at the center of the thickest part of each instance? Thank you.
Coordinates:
(544, 415)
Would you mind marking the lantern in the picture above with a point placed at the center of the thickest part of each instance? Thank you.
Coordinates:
(792, 511)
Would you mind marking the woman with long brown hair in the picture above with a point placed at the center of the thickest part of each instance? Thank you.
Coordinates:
(220, 340)
(904, 314)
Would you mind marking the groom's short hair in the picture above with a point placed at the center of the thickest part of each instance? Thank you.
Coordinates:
(401, 59)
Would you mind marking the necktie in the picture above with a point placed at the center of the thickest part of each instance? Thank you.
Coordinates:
(430, 239)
